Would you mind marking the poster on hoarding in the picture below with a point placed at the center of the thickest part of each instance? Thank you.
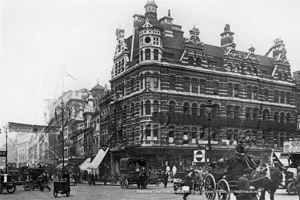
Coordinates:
(291, 146)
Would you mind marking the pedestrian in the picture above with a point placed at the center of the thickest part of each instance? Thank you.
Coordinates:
(197, 182)
(66, 175)
(45, 181)
(297, 182)
(244, 186)
(188, 181)
(165, 178)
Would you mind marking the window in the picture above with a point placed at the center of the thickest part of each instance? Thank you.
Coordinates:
(279, 76)
(202, 110)
(198, 61)
(191, 60)
(288, 97)
(230, 111)
(236, 112)
(125, 112)
(132, 109)
(147, 54)
(171, 134)
(236, 90)
(265, 115)
(216, 88)
(155, 106)
(132, 85)
(172, 83)
(255, 71)
(230, 90)
(282, 116)
(142, 109)
(148, 82)
(155, 82)
(276, 119)
(186, 108)
(194, 109)
(141, 55)
(148, 132)
(215, 110)
(254, 93)
(155, 132)
(186, 85)
(276, 97)
(194, 86)
(282, 97)
(249, 91)
(148, 107)
(186, 133)
(255, 113)
(142, 133)
(155, 54)
(172, 106)
(202, 87)
(281, 140)
(248, 113)
(266, 95)
(194, 133)
(141, 82)
(288, 117)
(285, 76)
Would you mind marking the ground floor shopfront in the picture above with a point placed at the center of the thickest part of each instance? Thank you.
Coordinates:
(183, 158)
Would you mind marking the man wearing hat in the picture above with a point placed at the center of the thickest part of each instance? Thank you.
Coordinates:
(244, 186)
(297, 181)
(188, 181)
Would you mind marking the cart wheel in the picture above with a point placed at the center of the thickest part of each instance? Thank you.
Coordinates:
(223, 190)
(26, 186)
(126, 184)
(291, 188)
(11, 189)
(210, 187)
(55, 193)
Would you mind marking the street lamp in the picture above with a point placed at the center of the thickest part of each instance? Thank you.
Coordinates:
(62, 108)
(209, 107)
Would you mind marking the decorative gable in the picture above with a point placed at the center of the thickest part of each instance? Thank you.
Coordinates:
(121, 44)
(147, 24)
(194, 37)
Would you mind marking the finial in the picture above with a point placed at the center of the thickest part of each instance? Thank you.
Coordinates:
(169, 13)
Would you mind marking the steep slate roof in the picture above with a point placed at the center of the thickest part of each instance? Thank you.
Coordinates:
(98, 87)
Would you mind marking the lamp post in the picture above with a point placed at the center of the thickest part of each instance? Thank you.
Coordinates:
(209, 107)
(62, 108)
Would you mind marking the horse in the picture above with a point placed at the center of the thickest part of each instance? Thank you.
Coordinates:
(269, 180)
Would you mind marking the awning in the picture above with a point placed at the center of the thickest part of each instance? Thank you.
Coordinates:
(280, 160)
(60, 165)
(98, 159)
(289, 153)
(85, 164)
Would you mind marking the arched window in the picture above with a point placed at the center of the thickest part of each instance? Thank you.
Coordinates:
(172, 106)
(148, 107)
(186, 108)
(265, 115)
(202, 110)
(155, 106)
(142, 109)
(282, 116)
(216, 110)
(194, 109)
(276, 117)
(288, 117)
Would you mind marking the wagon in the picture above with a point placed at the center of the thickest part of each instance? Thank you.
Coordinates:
(61, 187)
(130, 174)
(32, 178)
(7, 183)
(222, 179)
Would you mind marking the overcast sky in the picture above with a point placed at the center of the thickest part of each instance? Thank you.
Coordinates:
(40, 37)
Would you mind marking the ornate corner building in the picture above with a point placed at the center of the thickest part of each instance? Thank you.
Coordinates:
(160, 84)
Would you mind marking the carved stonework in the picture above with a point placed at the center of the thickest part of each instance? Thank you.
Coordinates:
(194, 37)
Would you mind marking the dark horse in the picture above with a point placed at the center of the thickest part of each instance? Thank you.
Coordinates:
(261, 180)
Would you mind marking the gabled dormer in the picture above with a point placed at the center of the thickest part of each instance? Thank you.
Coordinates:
(251, 64)
(121, 56)
(232, 58)
(193, 53)
(282, 70)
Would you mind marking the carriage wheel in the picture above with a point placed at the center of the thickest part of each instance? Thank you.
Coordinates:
(126, 184)
(55, 193)
(27, 186)
(11, 188)
(291, 188)
(210, 187)
(223, 190)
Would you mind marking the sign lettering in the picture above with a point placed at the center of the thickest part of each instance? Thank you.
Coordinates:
(30, 128)
(3, 154)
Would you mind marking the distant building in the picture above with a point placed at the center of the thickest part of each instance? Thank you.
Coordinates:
(12, 151)
(23, 146)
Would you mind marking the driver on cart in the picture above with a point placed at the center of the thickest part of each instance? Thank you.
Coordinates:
(66, 175)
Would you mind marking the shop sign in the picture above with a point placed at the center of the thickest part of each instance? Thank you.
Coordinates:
(291, 146)
(3, 154)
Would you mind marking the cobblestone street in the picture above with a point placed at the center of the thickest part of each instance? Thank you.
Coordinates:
(85, 192)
